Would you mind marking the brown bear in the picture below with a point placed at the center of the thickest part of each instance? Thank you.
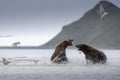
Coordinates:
(91, 54)
(59, 55)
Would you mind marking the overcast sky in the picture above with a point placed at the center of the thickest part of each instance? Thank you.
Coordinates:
(34, 22)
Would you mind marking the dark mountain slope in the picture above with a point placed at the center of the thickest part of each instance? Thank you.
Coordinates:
(91, 29)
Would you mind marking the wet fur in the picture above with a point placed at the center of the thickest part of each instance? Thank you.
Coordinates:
(59, 54)
(92, 54)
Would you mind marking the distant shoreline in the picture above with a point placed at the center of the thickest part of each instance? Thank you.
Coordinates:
(26, 47)
(40, 47)
(20, 47)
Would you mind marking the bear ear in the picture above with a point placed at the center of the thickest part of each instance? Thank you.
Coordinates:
(86, 47)
(65, 42)
(83, 44)
(79, 45)
(70, 40)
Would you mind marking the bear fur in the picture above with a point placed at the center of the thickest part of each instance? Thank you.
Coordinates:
(59, 55)
(92, 54)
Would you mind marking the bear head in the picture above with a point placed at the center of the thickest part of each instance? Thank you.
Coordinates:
(67, 43)
(83, 47)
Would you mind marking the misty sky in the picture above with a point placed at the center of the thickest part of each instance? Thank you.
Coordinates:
(34, 22)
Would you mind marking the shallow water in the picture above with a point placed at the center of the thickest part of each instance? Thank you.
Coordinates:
(48, 52)
(28, 56)
(76, 68)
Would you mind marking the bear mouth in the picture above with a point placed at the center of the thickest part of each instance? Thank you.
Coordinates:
(76, 46)
(80, 52)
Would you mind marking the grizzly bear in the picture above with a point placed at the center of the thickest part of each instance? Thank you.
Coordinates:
(92, 54)
(59, 55)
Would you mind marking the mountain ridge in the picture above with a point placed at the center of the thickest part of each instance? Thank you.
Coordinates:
(92, 30)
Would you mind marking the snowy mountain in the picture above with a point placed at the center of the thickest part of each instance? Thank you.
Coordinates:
(99, 27)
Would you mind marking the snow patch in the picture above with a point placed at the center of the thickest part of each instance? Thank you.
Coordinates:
(102, 11)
